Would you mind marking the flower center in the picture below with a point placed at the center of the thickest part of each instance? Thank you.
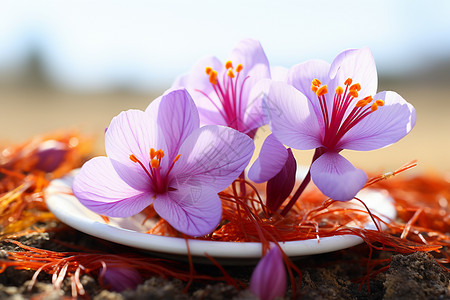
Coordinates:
(228, 89)
(158, 180)
(342, 116)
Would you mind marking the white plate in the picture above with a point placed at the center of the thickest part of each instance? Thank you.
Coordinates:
(130, 232)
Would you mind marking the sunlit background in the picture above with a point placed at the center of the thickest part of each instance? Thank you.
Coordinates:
(75, 64)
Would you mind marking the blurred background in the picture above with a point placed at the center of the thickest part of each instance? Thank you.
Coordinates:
(76, 64)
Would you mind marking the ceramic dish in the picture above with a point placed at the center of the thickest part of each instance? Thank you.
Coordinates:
(130, 232)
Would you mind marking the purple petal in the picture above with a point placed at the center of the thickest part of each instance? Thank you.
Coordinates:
(268, 280)
(359, 65)
(280, 186)
(132, 132)
(386, 125)
(100, 189)
(177, 119)
(254, 116)
(194, 210)
(336, 177)
(291, 120)
(118, 279)
(270, 161)
(279, 73)
(214, 156)
(250, 53)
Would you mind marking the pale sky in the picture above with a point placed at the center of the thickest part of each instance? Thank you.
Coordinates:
(91, 45)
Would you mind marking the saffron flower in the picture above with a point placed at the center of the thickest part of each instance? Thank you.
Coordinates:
(268, 280)
(161, 156)
(225, 93)
(334, 107)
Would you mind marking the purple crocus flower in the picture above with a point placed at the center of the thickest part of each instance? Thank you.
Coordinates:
(268, 280)
(334, 107)
(161, 156)
(225, 93)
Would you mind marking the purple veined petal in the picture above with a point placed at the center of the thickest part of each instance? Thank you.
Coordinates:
(269, 280)
(386, 125)
(99, 188)
(279, 73)
(254, 116)
(270, 161)
(291, 118)
(132, 132)
(280, 186)
(250, 53)
(301, 76)
(194, 210)
(359, 65)
(214, 156)
(336, 177)
(177, 119)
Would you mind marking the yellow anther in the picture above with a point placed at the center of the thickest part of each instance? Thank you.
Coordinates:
(339, 90)
(208, 70)
(379, 102)
(239, 68)
(152, 153)
(133, 158)
(355, 87)
(353, 93)
(177, 157)
(230, 73)
(374, 107)
(348, 81)
(154, 163)
(213, 77)
(322, 90)
(316, 82)
(228, 65)
(314, 88)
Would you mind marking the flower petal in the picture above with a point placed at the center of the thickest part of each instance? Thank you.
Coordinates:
(269, 280)
(214, 156)
(177, 118)
(195, 210)
(291, 120)
(359, 65)
(270, 161)
(254, 116)
(279, 73)
(336, 177)
(250, 53)
(386, 125)
(99, 188)
(132, 132)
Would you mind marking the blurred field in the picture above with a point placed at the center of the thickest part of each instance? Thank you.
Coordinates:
(29, 112)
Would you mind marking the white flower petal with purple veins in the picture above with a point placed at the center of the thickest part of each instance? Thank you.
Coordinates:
(100, 189)
(336, 177)
(268, 280)
(214, 156)
(291, 118)
(387, 125)
(359, 65)
(131, 132)
(270, 161)
(195, 210)
(177, 119)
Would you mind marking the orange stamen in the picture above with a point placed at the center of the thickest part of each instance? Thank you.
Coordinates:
(355, 87)
(322, 91)
(339, 90)
(177, 157)
(213, 77)
(314, 88)
(374, 107)
(208, 70)
(230, 73)
(152, 153)
(134, 158)
(154, 163)
(379, 102)
(348, 81)
(239, 68)
(228, 65)
(353, 93)
(316, 82)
